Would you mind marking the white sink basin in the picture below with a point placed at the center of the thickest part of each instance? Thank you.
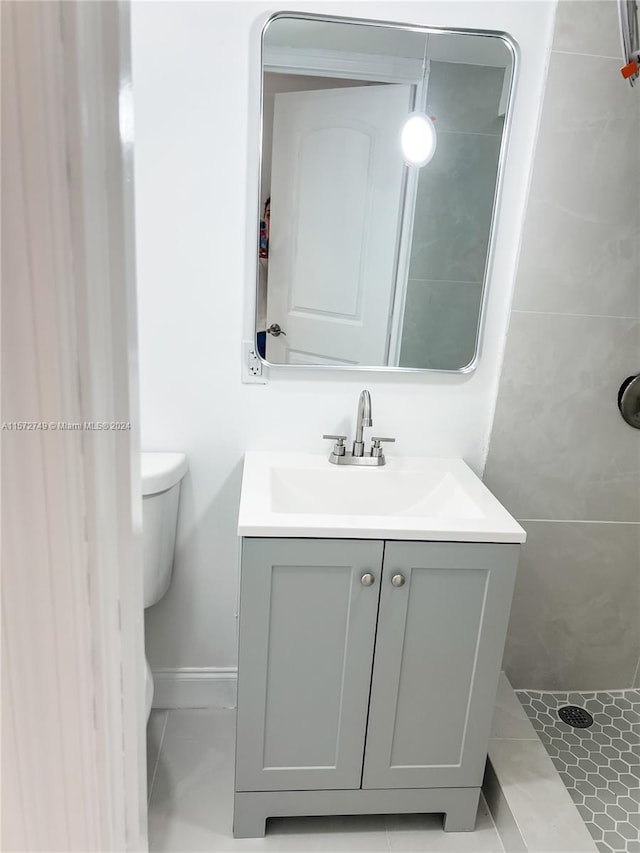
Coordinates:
(297, 494)
(411, 493)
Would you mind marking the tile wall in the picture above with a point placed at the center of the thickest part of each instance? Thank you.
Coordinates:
(453, 217)
(561, 458)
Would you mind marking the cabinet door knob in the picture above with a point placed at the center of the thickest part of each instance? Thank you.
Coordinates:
(398, 580)
(367, 579)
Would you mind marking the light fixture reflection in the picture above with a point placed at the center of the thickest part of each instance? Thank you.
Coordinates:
(418, 139)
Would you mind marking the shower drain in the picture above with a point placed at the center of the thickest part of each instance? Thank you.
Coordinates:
(575, 716)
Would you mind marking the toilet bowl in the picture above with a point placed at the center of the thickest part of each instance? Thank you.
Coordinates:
(161, 474)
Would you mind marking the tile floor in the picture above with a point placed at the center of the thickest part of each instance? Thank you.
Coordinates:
(190, 772)
(600, 765)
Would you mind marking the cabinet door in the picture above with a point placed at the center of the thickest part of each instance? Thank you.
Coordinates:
(307, 631)
(438, 654)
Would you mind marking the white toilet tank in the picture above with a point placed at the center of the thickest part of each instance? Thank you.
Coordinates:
(161, 476)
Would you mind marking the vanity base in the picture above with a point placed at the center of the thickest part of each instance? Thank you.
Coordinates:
(252, 808)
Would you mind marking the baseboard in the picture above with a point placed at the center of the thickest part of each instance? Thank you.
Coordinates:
(190, 687)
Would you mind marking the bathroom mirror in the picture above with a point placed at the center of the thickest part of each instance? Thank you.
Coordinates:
(366, 260)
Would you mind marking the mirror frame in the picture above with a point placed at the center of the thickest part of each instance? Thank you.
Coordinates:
(512, 47)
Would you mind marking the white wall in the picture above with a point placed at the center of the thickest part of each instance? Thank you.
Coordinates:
(196, 84)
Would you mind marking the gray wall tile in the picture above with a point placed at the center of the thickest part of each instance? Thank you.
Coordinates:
(559, 448)
(452, 220)
(587, 137)
(587, 26)
(582, 234)
(577, 265)
(440, 324)
(575, 618)
(453, 209)
(465, 97)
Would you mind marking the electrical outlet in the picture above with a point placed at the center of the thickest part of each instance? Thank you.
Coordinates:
(253, 370)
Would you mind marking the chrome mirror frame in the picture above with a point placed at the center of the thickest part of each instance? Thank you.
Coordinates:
(512, 47)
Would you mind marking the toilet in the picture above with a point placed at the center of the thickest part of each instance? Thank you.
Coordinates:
(161, 476)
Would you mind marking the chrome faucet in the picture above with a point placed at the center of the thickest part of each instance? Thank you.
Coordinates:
(363, 419)
(341, 456)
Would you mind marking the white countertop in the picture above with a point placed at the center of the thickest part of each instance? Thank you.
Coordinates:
(303, 495)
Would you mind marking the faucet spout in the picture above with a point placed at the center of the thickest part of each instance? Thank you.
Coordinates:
(363, 419)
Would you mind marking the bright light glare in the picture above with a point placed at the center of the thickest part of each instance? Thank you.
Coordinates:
(418, 139)
(125, 109)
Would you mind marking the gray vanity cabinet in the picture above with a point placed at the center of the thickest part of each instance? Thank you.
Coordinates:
(307, 633)
(438, 652)
(367, 676)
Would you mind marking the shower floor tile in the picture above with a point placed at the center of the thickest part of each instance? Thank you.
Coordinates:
(600, 765)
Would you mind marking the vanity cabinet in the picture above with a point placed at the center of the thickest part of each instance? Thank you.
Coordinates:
(307, 634)
(367, 676)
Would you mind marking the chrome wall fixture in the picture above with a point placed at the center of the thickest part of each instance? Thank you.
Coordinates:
(629, 400)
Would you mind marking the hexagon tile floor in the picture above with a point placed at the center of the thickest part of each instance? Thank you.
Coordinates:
(600, 765)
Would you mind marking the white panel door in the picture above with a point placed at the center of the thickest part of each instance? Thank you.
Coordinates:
(336, 196)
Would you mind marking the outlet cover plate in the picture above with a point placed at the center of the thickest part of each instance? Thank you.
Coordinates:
(254, 372)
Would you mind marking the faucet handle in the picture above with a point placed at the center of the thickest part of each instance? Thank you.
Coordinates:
(339, 449)
(376, 450)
